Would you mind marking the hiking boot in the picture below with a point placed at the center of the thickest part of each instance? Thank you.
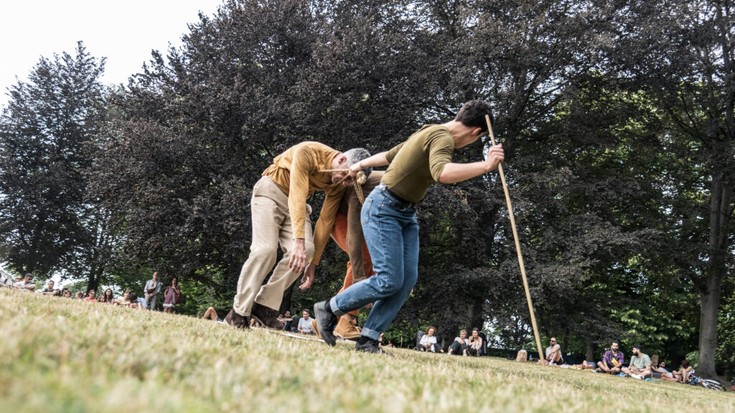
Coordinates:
(266, 317)
(325, 322)
(346, 330)
(236, 320)
(371, 346)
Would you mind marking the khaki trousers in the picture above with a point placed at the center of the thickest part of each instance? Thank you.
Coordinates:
(271, 227)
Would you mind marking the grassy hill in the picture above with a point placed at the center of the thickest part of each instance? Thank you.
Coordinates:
(58, 355)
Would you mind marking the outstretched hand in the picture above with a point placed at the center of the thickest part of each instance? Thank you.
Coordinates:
(308, 278)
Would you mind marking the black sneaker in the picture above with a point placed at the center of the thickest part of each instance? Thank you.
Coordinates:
(236, 320)
(326, 322)
(266, 317)
(370, 346)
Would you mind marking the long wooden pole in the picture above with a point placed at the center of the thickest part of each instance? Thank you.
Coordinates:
(518, 246)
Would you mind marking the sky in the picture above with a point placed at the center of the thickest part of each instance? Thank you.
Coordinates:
(124, 32)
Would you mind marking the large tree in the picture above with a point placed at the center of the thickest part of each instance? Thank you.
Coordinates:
(682, 53)
(47, 222)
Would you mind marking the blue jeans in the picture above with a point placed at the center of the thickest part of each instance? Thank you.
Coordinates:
(392, 236)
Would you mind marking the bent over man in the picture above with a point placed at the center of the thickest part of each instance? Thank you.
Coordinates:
(280, 216)
(389, 218)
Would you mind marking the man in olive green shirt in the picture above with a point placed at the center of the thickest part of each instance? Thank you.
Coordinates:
(389, 218)
(640, 364)
(280, 216)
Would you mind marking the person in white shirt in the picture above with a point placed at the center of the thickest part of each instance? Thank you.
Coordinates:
(428, 341)
(26, 283)
(460, 344)
(305, 323)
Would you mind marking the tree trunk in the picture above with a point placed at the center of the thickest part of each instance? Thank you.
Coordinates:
(589, 349)
(716, 269)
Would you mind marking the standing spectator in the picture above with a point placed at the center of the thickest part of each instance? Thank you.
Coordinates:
(108, 297)
(553, 353)
(152, 289)
(305, 323)
(640, 364)
(428, 341)
(476, 343)
(91, 296)
(49, 289)
(612, 360)
(460, 344)
(172, 296)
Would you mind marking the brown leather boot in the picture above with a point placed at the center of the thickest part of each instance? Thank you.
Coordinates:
(236, 320)
(315, 328)
(346, 329)
(266, 317)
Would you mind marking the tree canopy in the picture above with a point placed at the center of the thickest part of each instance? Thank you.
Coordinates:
(616, 117)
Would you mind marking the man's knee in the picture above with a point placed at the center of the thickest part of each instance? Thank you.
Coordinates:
(261, 253)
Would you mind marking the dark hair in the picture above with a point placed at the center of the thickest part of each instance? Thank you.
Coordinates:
(685, 363)
(473, 113)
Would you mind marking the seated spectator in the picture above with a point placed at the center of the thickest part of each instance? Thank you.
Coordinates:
(26, 283)
(286, 320)
(211, 314)
(553, 353)
(79, 295)
(585, 365)
(612, 360)
(640, 365)
(295, 323)
(304, 326)
(91, 296)
(460, 344)
(476, 343)
(685, 372)
(49, 289)
(108, 297)
(522, 355)
(66, 293)
(129, 300)
(428, 341)
(658, 369)
(382, 342)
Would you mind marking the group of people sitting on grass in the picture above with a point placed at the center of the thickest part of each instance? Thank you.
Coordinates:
(129, 299)
(640, 365)
(474, 345)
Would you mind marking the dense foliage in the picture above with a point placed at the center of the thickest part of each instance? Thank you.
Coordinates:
(616, 117)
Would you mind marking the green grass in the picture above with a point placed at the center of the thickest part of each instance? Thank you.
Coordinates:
(59, 355)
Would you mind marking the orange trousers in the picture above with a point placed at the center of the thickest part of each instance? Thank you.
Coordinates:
(339, 234)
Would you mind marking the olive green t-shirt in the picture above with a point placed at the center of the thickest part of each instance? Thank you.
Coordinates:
(418, 162)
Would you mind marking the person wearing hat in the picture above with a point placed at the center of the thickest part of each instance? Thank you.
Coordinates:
(640, 364)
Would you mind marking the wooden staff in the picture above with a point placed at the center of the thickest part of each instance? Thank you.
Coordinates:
(518, 245)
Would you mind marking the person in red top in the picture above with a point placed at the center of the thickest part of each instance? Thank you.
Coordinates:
(280, 217)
